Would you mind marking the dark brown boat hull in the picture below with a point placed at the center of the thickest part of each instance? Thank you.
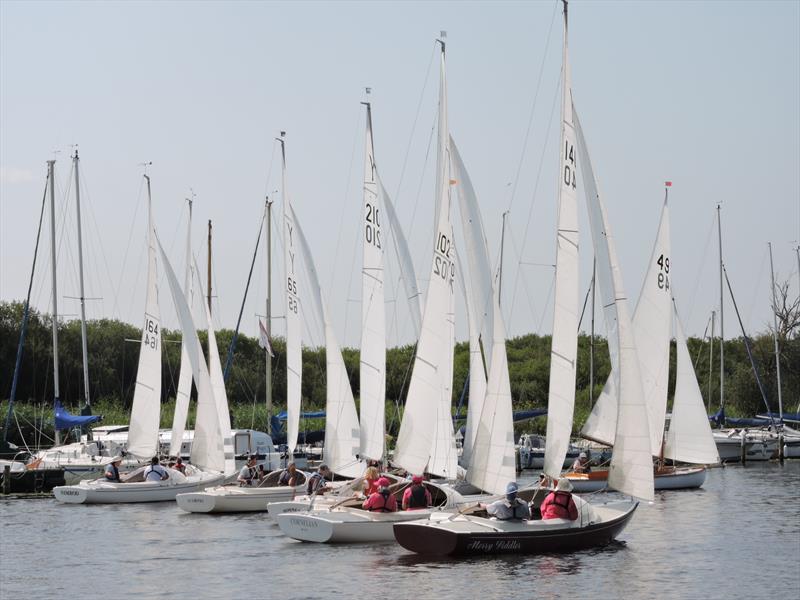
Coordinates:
(424, 539)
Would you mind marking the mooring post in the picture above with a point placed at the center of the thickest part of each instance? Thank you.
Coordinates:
(6, 479)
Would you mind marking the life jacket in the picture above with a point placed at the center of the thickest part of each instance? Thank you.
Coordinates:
(560, 502)
(385, 494)
(418, 497)
(315, 482)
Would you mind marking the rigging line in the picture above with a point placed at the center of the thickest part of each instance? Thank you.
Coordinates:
(547, 302)
(756, 285)
(700, 349)
(585, 302)
(422, 178)
(700, 271)
(535, 190)
(533, 107)
(416, 118)
(115, 308)
(342, 212)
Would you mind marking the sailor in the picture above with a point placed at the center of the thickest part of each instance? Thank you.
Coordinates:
(289, 476)
(382, 500)
(416, 496)
(371, 476)
(559, 503)
(316, 483)
(112, 469)
(179, 466)
(155, 472)
(510, 508)
(581, 464)
(249, 473)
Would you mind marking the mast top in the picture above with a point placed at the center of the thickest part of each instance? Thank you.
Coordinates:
(441, 38)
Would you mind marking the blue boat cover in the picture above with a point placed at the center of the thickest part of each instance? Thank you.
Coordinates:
(64, 420)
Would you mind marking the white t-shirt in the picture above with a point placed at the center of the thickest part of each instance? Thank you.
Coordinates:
(154, 473)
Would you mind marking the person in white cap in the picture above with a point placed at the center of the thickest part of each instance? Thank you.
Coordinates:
(112, 469)
(510, 507)
(559, 503)
(581, 464)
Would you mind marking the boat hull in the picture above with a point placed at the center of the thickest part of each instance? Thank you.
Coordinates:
(674, 479)
(102, 492)
(346, 526)
(233, 499)
(498, 537)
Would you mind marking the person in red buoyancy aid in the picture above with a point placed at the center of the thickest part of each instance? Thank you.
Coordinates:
(559, 503)
(382, 500)
(416, 496)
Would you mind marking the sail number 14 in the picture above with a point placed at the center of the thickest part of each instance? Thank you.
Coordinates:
(569, 164)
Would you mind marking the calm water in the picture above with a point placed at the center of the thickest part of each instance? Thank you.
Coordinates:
(738, 537)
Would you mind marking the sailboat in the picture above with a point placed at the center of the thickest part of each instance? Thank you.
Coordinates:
(653, 320)
(631, 471)
(210, 461)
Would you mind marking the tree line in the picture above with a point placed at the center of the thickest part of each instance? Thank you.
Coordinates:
(114, 351)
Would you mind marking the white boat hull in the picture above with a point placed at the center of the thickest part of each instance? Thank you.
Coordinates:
(349, 525)
(232, 499)
(105, 492)
(679, 479)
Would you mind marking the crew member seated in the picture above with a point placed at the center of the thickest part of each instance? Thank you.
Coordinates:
(510, 508)
(155, 472)
(112, 469)
(416, 496)
(559, 503)
(290, 476)
(382, 500)
(581, 464)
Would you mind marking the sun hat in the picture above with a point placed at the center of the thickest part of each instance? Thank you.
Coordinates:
(582, 455)
(511, 488)
(564, 485)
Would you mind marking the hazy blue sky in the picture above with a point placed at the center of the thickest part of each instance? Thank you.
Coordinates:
(706, 94)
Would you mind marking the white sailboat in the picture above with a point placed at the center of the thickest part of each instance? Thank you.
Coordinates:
(208, 456)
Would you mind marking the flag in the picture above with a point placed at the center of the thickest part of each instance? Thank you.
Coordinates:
(668, 183)
(263, 338)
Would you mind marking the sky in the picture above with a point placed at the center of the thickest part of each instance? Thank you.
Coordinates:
(705, 94)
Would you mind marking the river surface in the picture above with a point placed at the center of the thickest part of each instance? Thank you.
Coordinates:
(737, 537)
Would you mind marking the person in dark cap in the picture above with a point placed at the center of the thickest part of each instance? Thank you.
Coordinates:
(509, 508)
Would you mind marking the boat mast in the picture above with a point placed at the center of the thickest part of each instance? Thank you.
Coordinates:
(209, 265)
(721, 317)
(591, 336)
(500, 270)
(84, 345)
(775, 333)
(56, 390)
(268, 357)
(711, 357)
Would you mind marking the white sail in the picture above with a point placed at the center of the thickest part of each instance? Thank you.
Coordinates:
(477, 379)
(146, 410)
(294, 360)
(373, 320)
(424, 408)
(208, 451)
(564, 345)
(404, 258)
(185, 376)
(689, 438)
(218, 386)
(631, 470)
(652, 321)
(480, 281)
(493, 462)
(342, 438)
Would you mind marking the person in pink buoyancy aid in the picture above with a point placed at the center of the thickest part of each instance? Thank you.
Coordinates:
(382, 500)
(416, 496)
(559, 503)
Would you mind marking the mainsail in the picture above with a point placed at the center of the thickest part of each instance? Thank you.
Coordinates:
(373, 320)
(424, 439)
(564, 346)
(146, 410)
(294, 360)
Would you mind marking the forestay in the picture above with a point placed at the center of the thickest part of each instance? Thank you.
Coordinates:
(631, 470)
(689, 438)
(341, 421)
(373, 320)
(564, 343)
(146, 410)
(208, 451)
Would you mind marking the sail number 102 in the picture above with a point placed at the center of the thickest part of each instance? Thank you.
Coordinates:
(663, 272)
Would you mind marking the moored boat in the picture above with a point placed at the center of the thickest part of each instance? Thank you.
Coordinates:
(235, 498)
(665, 478)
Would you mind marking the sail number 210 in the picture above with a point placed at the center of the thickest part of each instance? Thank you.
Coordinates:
(663, 272)
(372, 227)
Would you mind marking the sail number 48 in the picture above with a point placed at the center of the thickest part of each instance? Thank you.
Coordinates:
(663, 273)
(150, 333)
